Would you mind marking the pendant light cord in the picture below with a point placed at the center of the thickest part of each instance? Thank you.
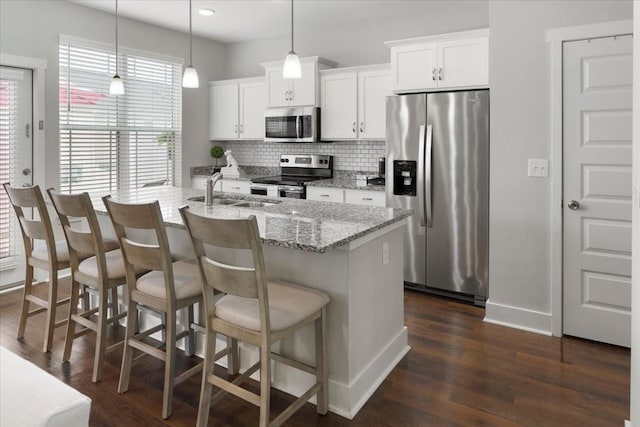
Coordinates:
(116, 37)
(190, 38)
(292, 50)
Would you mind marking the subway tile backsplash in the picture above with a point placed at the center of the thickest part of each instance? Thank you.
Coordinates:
(347, 156)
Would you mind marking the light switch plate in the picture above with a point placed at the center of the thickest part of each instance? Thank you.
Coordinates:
(539, 168)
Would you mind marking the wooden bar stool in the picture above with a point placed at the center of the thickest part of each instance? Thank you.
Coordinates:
(254, 310)
(52, 256)
(167, 288)
(103, 271)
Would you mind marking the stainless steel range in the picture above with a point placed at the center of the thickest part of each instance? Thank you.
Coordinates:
(295, 171)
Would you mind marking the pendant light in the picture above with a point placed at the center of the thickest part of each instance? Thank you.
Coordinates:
(116, 87)
(291, 68)
(190, 76)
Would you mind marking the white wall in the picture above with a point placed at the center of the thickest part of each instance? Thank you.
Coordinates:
(361, 43)
(635, 293)
(31, 28)
(520, 230)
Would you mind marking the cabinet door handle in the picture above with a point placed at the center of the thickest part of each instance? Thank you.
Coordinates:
(440, 73)
(367, 198)
(324, 195)
(235, 129)
(354, 127)
(290, 95)
(235, 188)
(286, 95)
(241, 128)
(433, 74)
(361, 127)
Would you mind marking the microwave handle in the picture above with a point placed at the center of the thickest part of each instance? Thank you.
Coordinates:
(298, 127)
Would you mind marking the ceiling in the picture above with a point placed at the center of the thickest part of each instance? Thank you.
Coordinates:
(241, 20)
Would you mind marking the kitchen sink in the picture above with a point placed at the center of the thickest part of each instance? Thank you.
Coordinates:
(216, 200)
(252, 204)
(232, 202)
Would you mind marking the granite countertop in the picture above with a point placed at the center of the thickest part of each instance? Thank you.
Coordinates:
(298, 224)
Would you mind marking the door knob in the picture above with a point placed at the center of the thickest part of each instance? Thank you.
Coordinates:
(573, 205)
(26, 171)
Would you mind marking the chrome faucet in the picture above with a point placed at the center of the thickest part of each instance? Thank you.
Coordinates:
(211, 183)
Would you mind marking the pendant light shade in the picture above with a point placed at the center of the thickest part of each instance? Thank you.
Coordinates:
(116, 87)
(292, 68)
(190, 76)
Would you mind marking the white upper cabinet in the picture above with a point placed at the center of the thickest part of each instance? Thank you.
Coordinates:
(281, 92)
(252, 106)
(447, 61)
(353, 102)
(373, 88)
(237, 109)
(339, 106)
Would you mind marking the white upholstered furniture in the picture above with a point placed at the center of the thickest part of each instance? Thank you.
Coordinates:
(30, 397)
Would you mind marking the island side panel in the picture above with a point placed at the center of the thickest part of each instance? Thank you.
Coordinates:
(377, 334)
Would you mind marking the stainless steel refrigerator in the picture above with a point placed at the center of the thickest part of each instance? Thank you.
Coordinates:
(438, 166)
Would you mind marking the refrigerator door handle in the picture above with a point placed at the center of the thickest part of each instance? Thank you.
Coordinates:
(421, 187)
(429, 176)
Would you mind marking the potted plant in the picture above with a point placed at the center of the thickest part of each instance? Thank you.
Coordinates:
(216, 152)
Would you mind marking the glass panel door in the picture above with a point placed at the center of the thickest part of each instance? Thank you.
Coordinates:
(16, 164)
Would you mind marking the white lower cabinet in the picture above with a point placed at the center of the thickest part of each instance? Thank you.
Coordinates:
(200, 183)
(229, 185)
(233, 186)
(339, 195)
(365, 197)
(325, 194)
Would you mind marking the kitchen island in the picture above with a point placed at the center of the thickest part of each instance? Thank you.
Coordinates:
(353, 253)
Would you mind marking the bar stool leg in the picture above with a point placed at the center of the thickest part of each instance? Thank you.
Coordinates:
(169, 362)
(24, 312)
(50, 324)
(100, 334)
(265, 384)
(206, 387)
(71, 324)
(127, 356)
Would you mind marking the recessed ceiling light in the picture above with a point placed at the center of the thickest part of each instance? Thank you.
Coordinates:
(206, 12)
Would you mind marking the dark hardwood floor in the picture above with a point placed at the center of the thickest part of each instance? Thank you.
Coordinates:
(459, 372)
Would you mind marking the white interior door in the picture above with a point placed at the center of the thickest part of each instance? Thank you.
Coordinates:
(597, 129)
(16, 164)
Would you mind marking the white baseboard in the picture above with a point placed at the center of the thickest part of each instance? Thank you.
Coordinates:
(519, 318)
(627, 423)
(347, 400)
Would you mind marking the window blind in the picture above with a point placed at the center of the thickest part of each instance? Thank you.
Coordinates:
(118, 142)
(8, 134)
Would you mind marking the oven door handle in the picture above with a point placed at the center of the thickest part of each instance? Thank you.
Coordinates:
(299, 126)
(290, 189)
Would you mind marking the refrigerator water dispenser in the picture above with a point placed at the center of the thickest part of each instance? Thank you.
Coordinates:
(404, 177)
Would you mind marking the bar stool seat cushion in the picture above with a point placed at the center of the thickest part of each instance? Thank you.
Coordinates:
(289, 304)
(115, 265)
(186, 279)
(62, 252)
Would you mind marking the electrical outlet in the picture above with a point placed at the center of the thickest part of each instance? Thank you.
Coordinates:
(539, 168)
(385, 253)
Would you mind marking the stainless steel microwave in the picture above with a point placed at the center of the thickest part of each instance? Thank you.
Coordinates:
(294, 124)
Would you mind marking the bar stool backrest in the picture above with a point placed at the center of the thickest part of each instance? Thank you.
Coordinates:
(139, 254)
(38, 228)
